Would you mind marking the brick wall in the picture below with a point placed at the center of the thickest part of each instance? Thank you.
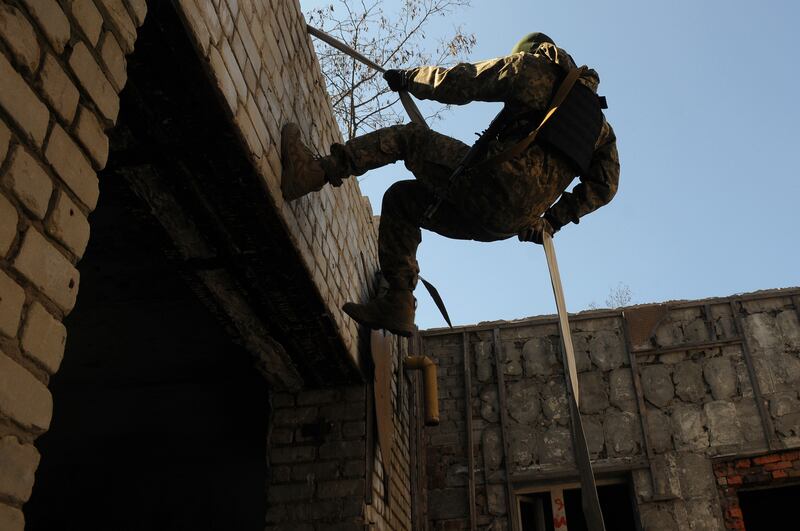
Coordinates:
(262, 60)
(328, 471)
(665, 391)
(62, 67)
(773, 470)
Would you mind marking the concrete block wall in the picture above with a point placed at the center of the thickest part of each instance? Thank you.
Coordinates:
(62, 66)
(697, 405)
(262, 60)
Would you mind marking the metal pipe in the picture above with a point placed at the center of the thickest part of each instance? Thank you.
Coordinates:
(428, 368)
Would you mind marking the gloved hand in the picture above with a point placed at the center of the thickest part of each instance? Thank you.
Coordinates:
(535, 233)
(396, 79)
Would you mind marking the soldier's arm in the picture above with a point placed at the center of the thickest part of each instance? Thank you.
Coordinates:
(490, 80)
(596, 188)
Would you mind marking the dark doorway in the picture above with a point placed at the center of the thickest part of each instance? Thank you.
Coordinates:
(616, 503)
(769, 509)
(160, 420)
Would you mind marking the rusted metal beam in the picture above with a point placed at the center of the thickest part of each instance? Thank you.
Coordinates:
(501, 403)
(637, 386)
(565, 474)
(470, 442)
(763, 413)
(698, 345)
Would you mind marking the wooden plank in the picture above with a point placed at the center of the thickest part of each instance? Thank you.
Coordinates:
(470, 442)
(501, 399)
(637, 386)
(763, 413)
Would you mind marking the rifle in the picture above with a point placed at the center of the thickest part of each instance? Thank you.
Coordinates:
(476, 152)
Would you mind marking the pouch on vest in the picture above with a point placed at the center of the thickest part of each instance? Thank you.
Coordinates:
(575, 127)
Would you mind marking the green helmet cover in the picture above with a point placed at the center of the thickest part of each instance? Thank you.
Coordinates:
(531, 41)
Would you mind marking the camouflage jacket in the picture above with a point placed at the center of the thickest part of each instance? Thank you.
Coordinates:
(528, 80)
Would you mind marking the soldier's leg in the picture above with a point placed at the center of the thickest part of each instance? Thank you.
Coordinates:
(426, 153)
(401, 221)
(402, 216)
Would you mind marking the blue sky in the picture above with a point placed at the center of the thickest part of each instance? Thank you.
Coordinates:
(702, 96)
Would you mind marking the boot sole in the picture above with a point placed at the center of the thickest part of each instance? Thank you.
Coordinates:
(404, 332)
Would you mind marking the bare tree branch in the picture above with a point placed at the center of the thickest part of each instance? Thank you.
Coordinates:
(359, 96)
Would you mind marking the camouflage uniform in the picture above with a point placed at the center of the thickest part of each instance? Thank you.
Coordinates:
(486, 206)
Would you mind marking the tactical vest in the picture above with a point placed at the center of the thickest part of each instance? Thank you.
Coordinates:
(571, 125)
(575, 127)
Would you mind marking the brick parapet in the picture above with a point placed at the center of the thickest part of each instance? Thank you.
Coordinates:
(265, 68)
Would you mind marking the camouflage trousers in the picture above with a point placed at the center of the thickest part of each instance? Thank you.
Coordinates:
(487, 207)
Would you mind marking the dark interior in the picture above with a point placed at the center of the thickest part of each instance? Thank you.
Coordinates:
(159, 420)
(770, 509)
(615, 502)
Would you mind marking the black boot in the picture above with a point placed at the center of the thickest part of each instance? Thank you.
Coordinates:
(392, 311)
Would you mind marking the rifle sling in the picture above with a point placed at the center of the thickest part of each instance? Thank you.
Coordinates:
(518, 148)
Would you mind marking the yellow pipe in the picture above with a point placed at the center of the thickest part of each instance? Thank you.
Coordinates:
(428, 368)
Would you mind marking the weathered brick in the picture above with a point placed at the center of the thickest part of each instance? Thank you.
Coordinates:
(223, 79)
(29, 182)
(94, 82)
(89, 19)
(196, 24)
(211, 19)
(291, 492)
(58, 89)
(120, 21)
(51, 20)
(11, 519)
(5, 140)
(341, 449)
(92, 137)
(67, 224)
(47, 269)
(8, 225)
(248, 130)
(22, 104)
(18, 464)
(226, 20)
(12, 297)
(23, 398)
(43, 337)
(249, 45)
(114, 60)
(340, 488)
(20, 37)
(71, 165)
(139, 10)
(294, 454)
(233, 69)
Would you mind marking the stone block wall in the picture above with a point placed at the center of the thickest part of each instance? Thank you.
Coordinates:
(665, 392)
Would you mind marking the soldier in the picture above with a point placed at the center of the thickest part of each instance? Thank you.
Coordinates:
(524, 195)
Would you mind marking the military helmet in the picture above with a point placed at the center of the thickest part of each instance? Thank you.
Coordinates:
(531, 41)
